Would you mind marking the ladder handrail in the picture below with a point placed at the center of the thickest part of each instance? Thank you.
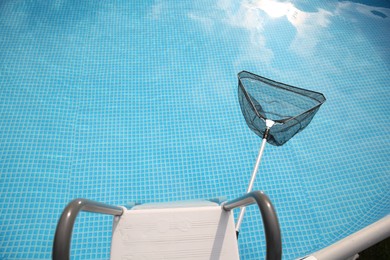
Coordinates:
(63, 235)
(270, 220)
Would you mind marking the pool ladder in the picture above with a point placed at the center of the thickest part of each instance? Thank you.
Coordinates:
(63, 234)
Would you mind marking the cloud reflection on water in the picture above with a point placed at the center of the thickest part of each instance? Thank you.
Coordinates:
(257, 17)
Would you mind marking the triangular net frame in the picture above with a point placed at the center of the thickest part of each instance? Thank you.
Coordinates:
(275, 112)
(291, 108)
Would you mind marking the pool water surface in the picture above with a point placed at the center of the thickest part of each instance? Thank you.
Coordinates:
(120, 101)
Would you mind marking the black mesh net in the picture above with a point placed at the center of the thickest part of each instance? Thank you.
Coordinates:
(291, 108)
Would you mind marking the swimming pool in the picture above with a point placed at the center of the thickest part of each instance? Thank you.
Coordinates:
(120, 102)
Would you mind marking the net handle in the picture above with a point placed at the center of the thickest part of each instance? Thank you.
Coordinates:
(269, 124)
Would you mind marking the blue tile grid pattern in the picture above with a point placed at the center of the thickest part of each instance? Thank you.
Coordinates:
(120, 101)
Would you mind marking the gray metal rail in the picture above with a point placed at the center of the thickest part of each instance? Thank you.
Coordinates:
(63, 235)
(270, 220)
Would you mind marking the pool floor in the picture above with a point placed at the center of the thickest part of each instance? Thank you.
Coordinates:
(120, 101)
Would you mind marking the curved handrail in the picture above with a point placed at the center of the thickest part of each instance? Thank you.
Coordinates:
(270, 220)
(63, 235)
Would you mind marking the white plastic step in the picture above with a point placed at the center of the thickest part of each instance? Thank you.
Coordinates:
(204, 232)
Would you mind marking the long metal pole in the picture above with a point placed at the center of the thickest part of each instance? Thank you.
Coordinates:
(269, 124)
(251, 182)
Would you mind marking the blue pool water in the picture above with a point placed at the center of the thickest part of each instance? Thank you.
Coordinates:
(117, 101)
